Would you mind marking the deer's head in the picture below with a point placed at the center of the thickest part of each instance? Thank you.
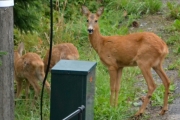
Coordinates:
(92, 18)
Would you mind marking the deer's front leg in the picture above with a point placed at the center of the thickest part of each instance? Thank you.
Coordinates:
(114, 84)
(117, 85)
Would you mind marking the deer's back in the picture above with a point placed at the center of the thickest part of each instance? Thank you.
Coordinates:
(66, 51)
(29, 64)
(126, 50)
(62, 51)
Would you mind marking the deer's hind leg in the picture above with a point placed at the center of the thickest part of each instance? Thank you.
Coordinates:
(159, 70)
(146, 71)
(19, 86)
(27, 89)
(34, 82)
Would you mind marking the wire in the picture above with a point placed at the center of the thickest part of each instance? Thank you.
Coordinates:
(50, 51)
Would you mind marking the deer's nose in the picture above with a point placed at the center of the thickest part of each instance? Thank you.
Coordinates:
(90, 30)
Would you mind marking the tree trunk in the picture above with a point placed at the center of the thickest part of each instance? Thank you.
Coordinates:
(7, 67)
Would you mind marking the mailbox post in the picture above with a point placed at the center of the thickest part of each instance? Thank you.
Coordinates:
(72, 85)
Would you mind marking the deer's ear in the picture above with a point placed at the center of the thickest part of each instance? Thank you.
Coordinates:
(20, 48)
(100, 11)
(85, 10)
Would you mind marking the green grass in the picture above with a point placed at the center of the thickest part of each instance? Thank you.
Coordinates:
(174, 10)
(30, 109)
(74, 30)
(103, 110)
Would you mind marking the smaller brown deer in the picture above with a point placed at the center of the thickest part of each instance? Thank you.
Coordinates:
(29, 67)
(61, 51)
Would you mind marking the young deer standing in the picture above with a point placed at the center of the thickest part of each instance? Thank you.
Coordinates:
(145, 50)
(61, 51)
(29, 67)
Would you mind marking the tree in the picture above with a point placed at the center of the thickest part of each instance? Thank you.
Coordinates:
(27, 14)
(7, 66)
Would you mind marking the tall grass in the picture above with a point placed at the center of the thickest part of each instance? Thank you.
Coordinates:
(174, 10)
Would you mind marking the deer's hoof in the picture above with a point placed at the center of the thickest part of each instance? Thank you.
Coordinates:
(137, 116)
(162, 112)
(143, 98)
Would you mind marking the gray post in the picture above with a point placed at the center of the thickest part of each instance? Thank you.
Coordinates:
(7, 66)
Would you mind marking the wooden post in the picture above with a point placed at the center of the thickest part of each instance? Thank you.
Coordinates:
(7, 67)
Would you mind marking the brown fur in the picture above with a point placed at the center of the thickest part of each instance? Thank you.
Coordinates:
(61, 51)
(29, 67)
(145, 50)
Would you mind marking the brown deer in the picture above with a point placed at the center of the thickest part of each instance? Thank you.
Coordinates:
(61, 51)
(29, 67)
(145, 50)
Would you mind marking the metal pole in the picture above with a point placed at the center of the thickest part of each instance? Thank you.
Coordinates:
(79, 112)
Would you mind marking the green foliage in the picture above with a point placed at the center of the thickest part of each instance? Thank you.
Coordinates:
(127, 11)
(174, 65)
(28, 109)
(137, 7)
(176, 25)
(174, 10)
(1, 54)
(26, 14)
(158, 95)
(71, 9)
(152, 6)
(173, 39)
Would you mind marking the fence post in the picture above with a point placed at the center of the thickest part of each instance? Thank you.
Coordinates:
(6, 67)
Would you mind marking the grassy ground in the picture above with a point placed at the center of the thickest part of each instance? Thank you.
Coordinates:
(117, 20)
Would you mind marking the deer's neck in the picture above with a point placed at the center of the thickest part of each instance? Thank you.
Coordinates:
(96, 39)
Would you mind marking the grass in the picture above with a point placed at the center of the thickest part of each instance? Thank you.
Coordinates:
(174, 10)
(30, 110)
(103, 110)
(111, 23)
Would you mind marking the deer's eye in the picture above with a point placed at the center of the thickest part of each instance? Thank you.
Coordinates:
(96, 21)
(87, 20)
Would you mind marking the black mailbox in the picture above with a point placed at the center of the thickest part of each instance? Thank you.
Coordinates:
(72, 85)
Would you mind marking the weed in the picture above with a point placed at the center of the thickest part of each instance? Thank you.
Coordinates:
(174, 10)
(158, 95)
(175, 65)
(153, 6)
(176, 25)
(173, 39)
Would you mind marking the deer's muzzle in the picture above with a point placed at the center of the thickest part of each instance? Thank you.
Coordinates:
(90, 31)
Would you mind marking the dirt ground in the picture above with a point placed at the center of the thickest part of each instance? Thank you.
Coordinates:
(157, 23)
